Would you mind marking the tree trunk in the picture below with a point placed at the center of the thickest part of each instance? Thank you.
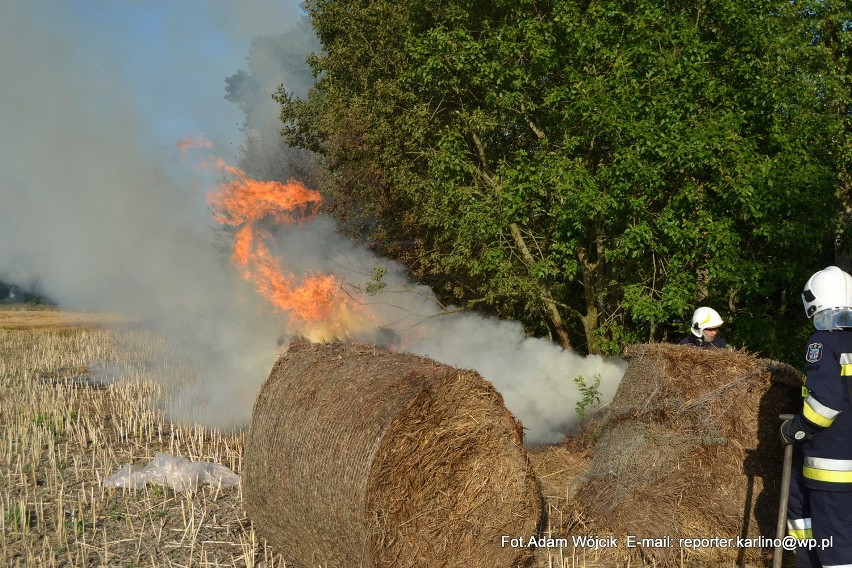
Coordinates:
(551, 310)
(590, 319)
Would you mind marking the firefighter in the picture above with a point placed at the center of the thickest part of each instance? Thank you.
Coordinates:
(821, 492)
(704, 330)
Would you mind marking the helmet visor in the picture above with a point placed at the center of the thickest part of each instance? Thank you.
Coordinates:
(833, 318)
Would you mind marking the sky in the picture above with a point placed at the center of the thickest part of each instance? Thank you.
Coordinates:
(99, 210)
(169, 57)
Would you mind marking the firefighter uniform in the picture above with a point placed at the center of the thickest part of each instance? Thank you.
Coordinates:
(799, 513)
(821, 487)
(700, 342)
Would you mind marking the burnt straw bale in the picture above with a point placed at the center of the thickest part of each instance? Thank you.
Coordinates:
(360, 457)
(689, 448)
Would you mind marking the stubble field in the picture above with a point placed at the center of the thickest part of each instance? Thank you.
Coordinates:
(76, 403)
(81, 396)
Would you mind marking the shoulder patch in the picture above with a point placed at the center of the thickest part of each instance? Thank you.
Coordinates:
(814, 353)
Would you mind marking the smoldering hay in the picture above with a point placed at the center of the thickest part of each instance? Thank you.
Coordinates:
(689, 448)
(534, 375)
(358, 456)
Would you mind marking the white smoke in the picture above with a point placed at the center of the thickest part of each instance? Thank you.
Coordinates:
(94, 210)
(535, 376)
(273, 60)
(93, 207)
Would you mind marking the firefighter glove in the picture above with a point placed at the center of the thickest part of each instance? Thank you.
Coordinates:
(789, 435)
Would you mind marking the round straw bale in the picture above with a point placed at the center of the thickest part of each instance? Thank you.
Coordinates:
(689, 448)
(361, 457)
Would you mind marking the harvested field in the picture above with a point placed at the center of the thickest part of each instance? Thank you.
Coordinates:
(65, 426)
(77, 403)
(47, 318)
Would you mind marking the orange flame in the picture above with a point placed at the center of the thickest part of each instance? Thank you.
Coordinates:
(198, 142)
(318, 308)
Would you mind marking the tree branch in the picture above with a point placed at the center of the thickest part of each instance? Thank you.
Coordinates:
(549, 305)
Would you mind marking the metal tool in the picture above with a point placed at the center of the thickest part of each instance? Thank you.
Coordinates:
(781, 527)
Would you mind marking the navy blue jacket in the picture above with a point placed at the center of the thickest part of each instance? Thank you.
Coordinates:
(824, 426)
(717, 343)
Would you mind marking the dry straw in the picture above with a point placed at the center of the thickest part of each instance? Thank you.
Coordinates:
(690, 449)
(361, 457)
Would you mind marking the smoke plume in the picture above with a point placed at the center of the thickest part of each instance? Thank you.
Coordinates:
(95, 205)
(98, 210)
(535, 376)
(273, 60)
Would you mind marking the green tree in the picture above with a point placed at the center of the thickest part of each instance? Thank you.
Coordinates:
(592, 169)
(825, 29)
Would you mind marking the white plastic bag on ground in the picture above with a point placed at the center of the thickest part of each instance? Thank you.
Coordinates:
(181, 474)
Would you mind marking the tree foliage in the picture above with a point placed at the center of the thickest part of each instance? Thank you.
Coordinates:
(593, 169)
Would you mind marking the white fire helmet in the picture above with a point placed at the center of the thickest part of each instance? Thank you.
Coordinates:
(703, 318)
(827, 298)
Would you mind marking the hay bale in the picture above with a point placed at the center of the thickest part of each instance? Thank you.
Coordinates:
(689, 449)
(361, 457)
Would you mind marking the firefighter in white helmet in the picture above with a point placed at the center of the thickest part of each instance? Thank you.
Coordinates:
(820, 505)
(704, 330)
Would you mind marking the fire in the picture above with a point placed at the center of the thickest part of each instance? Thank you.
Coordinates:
(197, 142)
(316, 305)
(245, 201)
